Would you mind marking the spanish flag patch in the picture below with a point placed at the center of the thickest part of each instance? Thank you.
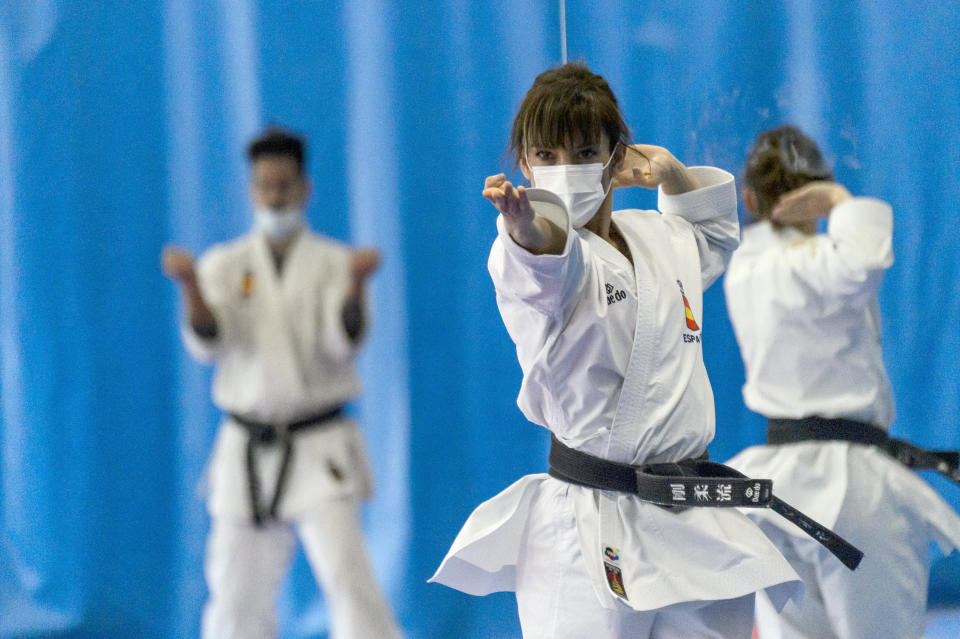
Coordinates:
(691, 322)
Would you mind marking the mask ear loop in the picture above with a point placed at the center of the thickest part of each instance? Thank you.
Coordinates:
(628, 148)
(613, 154)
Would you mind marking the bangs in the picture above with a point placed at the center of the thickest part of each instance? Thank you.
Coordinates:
(558, 120)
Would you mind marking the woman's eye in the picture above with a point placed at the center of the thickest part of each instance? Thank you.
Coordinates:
(543, 155)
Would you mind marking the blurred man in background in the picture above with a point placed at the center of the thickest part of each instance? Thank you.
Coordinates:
(280, 313)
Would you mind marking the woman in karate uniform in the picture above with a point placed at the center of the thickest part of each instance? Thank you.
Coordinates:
(804, 309)
(605, 309)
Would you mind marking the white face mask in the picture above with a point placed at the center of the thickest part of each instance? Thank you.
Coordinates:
(580, 186)
(278, 224)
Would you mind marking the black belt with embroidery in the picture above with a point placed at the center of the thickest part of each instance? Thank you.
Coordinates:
(263, 434)
(691, 482)
(789, 431)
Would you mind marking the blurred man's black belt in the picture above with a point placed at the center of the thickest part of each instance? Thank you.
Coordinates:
(264, 434)
(789, 431)
(690, 482)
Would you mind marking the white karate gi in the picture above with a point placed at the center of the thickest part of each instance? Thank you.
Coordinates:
(804, 310)
(282, 354)
(579, 331)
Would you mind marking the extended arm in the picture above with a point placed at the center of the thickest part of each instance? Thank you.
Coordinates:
(534, 233)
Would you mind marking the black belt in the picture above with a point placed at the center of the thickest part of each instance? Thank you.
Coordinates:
(263, 434)
(690, 482)
(789, 431)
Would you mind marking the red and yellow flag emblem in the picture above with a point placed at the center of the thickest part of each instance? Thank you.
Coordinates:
(691, 322)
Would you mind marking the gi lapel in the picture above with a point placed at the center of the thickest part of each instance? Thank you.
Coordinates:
(276, 331)
(624, 431)
(622, 441)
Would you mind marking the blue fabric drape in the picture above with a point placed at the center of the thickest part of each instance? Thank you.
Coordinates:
(122, 128)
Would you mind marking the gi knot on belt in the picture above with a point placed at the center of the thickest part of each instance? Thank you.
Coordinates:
(268, 434)
(695, 482)
(689, 482)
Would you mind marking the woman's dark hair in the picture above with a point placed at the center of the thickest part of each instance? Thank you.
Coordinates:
(566, 102)
(781, 160)
(277, 141)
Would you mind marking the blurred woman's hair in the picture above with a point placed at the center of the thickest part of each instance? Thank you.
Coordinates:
(781, 160)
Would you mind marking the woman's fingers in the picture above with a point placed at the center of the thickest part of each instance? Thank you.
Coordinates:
(522, 200)
(504, 196)
(494, 180)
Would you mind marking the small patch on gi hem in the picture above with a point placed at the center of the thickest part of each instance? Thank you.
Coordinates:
(615, 579)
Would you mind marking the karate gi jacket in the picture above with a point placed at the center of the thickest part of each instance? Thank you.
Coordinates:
(805, 313)
(612, 362)
(281, 354)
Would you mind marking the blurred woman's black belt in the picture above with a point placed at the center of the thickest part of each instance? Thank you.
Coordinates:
(690, 482)
(789, 431)
(263, 434)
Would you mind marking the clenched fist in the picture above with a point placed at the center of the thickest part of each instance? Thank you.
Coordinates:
(364, 263)
(177, 264)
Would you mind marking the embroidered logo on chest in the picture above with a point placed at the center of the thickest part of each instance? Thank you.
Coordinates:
(614, 294)
(691, 322)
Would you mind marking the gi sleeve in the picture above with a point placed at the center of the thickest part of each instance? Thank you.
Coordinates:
(545, 283)
(848, 262)
(711, 210)
(202, 348)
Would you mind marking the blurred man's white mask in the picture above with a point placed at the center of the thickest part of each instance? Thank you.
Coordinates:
(278, 224)
(580, 186)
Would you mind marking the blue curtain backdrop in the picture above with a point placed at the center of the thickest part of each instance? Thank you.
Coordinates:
(122, 128)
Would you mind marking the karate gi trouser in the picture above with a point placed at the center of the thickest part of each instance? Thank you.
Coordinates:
(886, 596)
(556, 600)
(245, 566)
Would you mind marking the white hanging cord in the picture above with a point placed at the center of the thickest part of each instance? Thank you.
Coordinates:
(563, 31)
